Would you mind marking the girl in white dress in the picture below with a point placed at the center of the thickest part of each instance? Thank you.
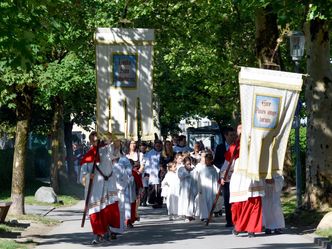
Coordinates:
(187, 190)
(170, 190)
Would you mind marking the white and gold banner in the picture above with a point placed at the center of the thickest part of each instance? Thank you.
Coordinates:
(124, 83)
(268, 103)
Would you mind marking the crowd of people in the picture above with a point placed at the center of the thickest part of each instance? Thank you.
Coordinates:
(127, 175)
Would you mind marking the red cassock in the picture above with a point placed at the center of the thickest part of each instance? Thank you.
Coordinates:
(109, 216)
(246, 215)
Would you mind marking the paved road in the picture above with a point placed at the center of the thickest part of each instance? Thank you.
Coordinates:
(154, 231)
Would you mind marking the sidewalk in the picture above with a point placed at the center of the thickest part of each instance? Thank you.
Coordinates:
(154, 231)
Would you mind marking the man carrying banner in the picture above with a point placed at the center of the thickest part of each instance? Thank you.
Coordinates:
(102, 199)
(268, 102)
(246, 211)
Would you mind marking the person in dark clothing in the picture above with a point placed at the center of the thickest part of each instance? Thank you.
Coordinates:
(229, 137)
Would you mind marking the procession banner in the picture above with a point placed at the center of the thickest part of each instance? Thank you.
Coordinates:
(268, 102)
(124, 83)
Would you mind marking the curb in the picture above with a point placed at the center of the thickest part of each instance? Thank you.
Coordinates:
(323, 242)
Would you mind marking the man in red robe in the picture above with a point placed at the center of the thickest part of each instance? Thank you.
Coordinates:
(245, 196)
(103, 208)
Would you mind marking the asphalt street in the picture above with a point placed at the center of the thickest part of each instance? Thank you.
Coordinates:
(155, 231)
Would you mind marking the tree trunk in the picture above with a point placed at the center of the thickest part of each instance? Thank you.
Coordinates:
(266, 42)
(23, 115)
(57, 143)
(319, 103)
(266, 39)
(68, 127)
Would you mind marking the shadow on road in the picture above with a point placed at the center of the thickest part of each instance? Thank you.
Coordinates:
(156, 229)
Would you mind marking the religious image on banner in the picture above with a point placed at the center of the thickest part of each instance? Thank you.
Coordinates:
(124, 70)
(266, 111)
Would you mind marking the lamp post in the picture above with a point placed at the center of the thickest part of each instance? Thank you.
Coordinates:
(297, 50)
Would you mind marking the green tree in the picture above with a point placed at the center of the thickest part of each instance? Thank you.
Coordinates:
(23, 44)
(33, 34)
(68, 88)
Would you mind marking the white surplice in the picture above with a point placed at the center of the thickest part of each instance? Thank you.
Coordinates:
(273, 217)
(195, 173)
(152, 165)
(122, 180)
(207, 189)
(102, 194)
(186, 192)
(129, 192)
(170, 184)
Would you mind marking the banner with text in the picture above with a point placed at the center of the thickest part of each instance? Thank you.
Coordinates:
(124, 59)
(268, 103)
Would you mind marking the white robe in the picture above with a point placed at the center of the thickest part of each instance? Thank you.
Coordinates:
(273, 217)
(241, 187)
(129, 191)
(122, 180)
(145, 180)
(195, 173)
(186, 192)
(152, 165)
(102, 194)
(207, 189)
(171, 192)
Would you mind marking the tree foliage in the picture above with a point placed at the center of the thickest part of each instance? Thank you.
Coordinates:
(47, 47)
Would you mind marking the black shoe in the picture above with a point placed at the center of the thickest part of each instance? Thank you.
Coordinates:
(144, 204)
(235, 232)
(268, 231)
(278, 231)
(251, 235)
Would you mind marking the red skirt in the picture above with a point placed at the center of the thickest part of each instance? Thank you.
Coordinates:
(109, 216)
(132, 213)
(247, 215)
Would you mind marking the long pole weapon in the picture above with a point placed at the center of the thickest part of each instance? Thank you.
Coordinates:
(219, 189)
(87, 200)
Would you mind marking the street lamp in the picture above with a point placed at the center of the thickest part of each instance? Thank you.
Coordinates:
(297, 41)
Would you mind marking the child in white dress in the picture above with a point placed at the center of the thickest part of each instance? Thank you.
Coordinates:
(170, 190)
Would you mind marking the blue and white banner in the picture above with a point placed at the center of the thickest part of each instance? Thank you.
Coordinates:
(124, 59)
(268, 102)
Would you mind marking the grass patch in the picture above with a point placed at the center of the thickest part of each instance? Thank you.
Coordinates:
(9, 227)
(70, 194)
(66, 199)
(10, 244)
(34, 218)
(326, 233)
